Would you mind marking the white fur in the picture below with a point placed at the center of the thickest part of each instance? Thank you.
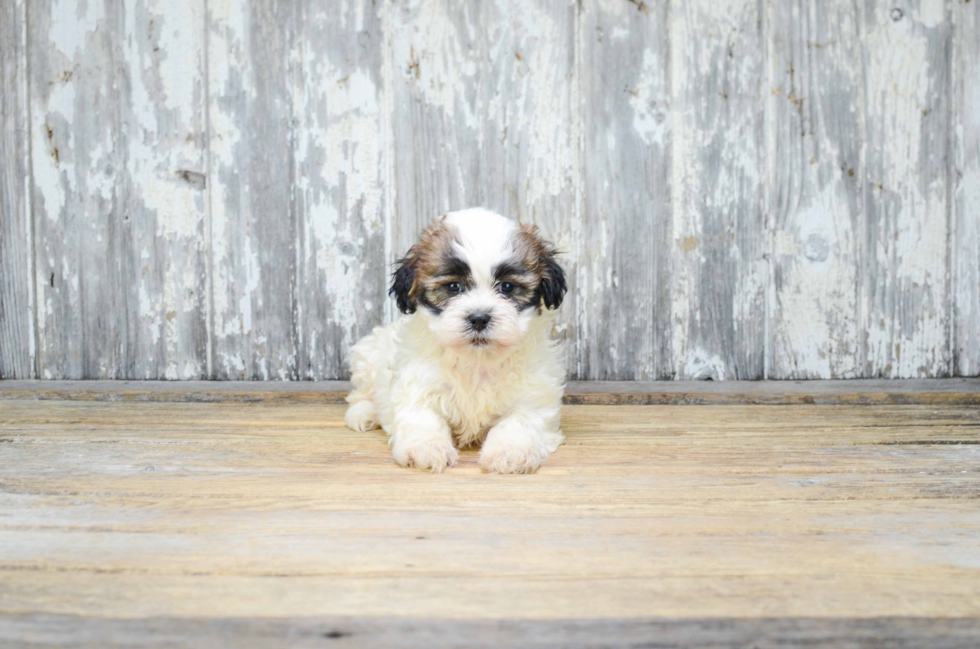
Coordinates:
(433, 392)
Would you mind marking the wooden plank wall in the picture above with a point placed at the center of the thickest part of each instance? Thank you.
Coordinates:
(16, 303)
(780, 190)
(965, 189)
(119, 142)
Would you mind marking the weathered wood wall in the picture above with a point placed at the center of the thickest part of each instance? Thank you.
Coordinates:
(16, 304)
(753, 189)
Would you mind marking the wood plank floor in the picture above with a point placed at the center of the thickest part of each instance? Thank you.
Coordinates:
(253, 524)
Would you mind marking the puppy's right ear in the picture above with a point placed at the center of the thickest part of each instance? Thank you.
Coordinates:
(402, 281)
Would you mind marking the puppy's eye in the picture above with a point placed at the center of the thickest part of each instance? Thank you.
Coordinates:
(454, 288)
(506, 288)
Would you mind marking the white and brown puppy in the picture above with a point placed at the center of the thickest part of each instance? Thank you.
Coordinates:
(473, 362)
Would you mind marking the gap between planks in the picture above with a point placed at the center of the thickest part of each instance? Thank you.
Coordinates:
(958, 391)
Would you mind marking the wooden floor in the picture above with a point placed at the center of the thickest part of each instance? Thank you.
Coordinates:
(256, 524)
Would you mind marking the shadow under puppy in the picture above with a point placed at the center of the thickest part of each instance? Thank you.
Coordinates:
(473, 362)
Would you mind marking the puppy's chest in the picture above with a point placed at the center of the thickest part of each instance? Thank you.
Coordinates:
(472, 404)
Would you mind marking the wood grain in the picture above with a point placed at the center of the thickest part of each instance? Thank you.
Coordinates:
(623, 270)
(252, 151)
(339, 181)
(904, 292)
(117, 127)
(435, 65)
(718, 267)
(965, 181)
(816, 192)
(213, 511)
(298, 208)
(386, 632)
(16, 304)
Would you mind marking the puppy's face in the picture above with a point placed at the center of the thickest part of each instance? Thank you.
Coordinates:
(479, 279)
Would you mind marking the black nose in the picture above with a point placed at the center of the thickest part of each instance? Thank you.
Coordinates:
(479, 321)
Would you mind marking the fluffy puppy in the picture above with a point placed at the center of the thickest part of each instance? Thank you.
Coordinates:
(473, 361)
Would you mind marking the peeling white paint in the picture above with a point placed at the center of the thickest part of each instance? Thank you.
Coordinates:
(817, 308)
(176, 207)
(907, 327)
(110, 198)
(77, 22)
(718, 267)
(649, 121)
(437, 61)
(931, 13)
(49, 170)
(701, 365)
(967, 266)
(814, 187)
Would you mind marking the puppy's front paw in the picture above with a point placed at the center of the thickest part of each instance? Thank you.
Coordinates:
(362, 416)
(513, 448)
(434, 454)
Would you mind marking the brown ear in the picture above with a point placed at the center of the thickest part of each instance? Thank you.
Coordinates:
(417, 264)
(552, 286)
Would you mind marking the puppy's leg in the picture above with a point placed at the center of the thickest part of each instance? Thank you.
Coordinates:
(519, 443)
(423, 439)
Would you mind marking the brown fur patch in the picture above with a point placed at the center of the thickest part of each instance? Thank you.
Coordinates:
(432, 261)
(537, 256)
(531, 250)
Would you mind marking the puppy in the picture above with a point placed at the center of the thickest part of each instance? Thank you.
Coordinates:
(473, 362)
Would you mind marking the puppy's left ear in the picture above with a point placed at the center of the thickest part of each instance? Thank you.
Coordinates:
(543, 255)
(553, 285)
(402, 283)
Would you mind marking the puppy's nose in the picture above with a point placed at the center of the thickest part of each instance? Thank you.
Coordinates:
(479, 321)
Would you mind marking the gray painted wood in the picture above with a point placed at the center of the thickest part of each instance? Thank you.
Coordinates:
(965, 186)
(816, 194)
(118, 123)
(252, 165)
(339, 187)
(16, 306)
(298, 205)
(718, 266)
(904, 248)
(623, 274)
(781, 189)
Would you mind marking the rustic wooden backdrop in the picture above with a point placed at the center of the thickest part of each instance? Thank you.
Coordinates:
(745, 189)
